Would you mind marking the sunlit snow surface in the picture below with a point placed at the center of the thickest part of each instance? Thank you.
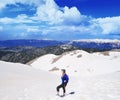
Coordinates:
(92, 77)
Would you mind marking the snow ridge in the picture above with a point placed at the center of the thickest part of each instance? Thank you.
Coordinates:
(93, 76)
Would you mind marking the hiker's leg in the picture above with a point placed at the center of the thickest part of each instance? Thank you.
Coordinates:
(58, 87)
(64, 90)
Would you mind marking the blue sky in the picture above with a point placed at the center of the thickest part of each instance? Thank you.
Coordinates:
(95, 8)
(59, 19)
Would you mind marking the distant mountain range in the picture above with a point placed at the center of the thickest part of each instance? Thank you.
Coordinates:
(25, 54)
(23, 51)
(97, 44)
(100, 44)
(32, 43)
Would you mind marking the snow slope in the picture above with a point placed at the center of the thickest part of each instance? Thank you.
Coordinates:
(79, 62)
(22, 82)
(92, 77)
(97, 75)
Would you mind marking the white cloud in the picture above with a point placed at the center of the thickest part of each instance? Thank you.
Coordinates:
(108, 24)
(19, 19)
(3, 3)
(47, 11)
(72, 15)
(66, 29)
(6, 20)
(33, 29)
(58, 20)
(55, 15)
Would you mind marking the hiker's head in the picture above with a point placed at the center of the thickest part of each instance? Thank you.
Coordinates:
(63, 71)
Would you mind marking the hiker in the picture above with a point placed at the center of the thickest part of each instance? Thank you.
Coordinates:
(65, 80)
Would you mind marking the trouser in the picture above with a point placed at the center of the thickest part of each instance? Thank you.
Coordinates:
(62, 86)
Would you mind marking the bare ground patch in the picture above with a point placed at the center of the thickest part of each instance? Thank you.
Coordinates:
(79, 56)
(106, 53)
(54, 69)
(30, 62)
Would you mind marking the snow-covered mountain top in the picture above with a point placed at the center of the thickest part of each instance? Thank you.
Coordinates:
(93, 76)
(98, 40)
(79, 62)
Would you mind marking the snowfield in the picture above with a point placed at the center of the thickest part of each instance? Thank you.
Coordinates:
(94, 76)
(79, 62)
(22, 82)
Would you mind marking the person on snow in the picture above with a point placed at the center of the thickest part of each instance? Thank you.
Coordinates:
(65, 80)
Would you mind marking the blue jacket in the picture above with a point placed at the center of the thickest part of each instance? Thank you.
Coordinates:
(65, 79)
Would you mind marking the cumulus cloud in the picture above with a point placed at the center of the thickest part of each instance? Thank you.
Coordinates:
(55, 15)
(49, 12)
(109, 24)
(53, 21)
